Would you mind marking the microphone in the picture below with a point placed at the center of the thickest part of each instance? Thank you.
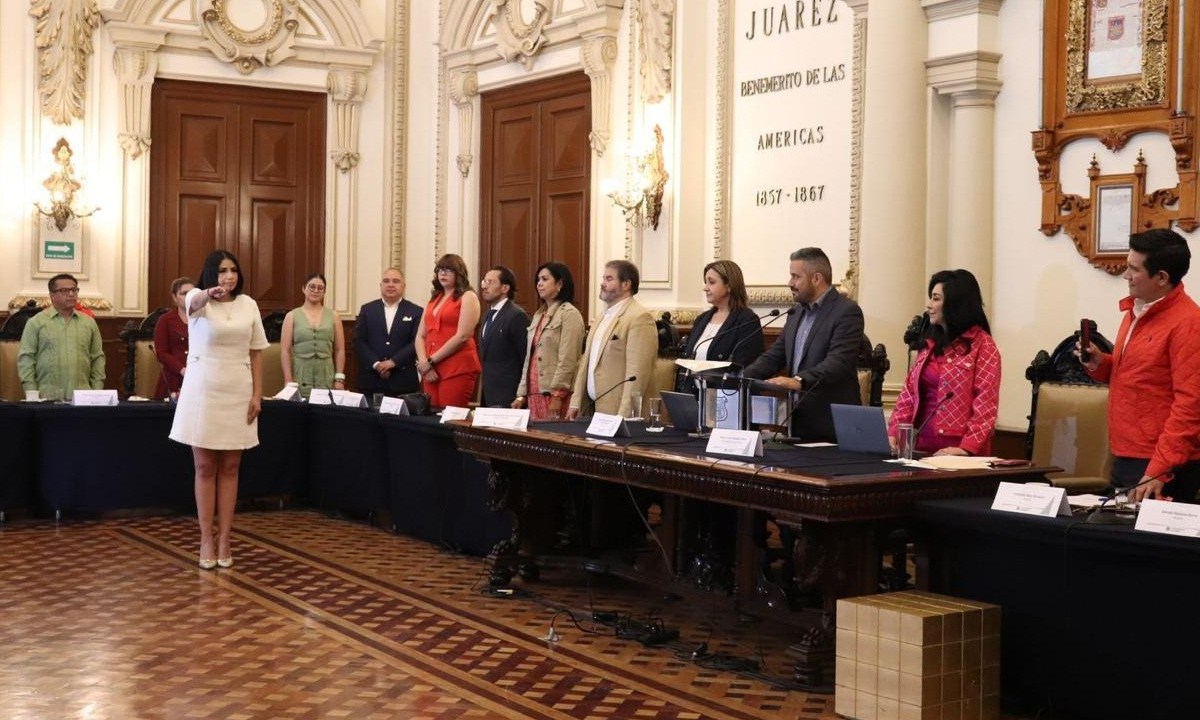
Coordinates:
(631, 378)
(917, 430)
(776, 315)
(757, 319)
(787, 423)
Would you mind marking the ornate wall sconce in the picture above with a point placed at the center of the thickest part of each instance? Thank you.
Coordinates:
(642, 200)
(62, 186)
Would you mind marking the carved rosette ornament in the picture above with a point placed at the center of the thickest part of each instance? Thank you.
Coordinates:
(248, 49)
(516, 38)
(346, 90)
(464, 88)
(64, 42)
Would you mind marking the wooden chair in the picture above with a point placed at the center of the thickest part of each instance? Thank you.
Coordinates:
(142, 368)
(873, 364)
(10, 343)
(272, 367)
(1068, 418)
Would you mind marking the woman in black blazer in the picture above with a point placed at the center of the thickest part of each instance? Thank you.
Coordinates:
(729, 330)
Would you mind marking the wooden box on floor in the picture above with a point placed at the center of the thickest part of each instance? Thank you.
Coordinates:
(917, 656)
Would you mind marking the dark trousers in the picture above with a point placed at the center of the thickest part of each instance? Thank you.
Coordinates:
(1127, 472)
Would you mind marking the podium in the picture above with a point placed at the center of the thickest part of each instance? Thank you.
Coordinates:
(731, 401)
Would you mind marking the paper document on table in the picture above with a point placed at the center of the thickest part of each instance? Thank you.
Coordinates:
(958, 462)
(698, 366)
(1088, 500)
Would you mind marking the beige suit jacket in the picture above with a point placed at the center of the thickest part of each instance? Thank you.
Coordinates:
(629, 348)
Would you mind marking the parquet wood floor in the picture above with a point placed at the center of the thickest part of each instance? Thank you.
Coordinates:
(325, 618)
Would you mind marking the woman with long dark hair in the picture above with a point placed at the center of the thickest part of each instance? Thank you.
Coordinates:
(729, 330)
(555, 343)
(221, 397)
(952, 393)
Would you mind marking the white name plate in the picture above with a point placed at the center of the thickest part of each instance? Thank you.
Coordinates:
(392, 406)
(1171, 518)
(291, 391)
(1033, 499)
(344, 398)
(501, 418)
(605, 425)
(94, 397)
(453, 412)
(746, 443)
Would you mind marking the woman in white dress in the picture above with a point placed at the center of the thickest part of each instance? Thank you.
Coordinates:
(220, 401)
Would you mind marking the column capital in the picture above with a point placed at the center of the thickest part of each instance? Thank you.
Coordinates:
(947, 9)
(974, 73)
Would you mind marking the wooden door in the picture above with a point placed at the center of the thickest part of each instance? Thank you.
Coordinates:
(241, 169)
(535, 174)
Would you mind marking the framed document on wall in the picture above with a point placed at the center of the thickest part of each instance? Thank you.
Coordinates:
(789, 131)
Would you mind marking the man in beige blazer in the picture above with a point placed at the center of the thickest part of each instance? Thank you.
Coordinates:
(621, 344)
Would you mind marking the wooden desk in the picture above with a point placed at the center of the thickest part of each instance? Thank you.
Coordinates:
(838, 502)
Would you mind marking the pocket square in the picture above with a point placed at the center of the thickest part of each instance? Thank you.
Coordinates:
(406, 318)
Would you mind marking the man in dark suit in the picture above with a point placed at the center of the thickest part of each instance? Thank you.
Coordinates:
(818, 349)
(501, 339)
(383, 340)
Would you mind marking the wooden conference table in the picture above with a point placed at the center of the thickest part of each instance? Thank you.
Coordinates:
(839, 502)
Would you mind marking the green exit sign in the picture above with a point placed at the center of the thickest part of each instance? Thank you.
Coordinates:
(58, 250)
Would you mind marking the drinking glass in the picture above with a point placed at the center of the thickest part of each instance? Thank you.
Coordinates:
(635, 407)
(904, 441)
(654, 408)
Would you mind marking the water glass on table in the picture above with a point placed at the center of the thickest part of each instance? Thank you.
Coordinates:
(904, 441)
(654, 409)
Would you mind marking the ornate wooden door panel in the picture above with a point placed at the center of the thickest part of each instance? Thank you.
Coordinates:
(242, 169)
(535, 174)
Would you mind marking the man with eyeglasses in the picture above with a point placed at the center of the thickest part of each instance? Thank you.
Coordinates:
(60, 347)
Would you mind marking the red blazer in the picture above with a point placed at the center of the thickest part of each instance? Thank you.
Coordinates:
(973, 376)
(1154, 383)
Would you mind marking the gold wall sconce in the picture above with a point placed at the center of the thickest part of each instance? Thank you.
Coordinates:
(62, 186)
(642, 200)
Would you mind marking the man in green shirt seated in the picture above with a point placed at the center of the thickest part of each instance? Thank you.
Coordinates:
(60, 348)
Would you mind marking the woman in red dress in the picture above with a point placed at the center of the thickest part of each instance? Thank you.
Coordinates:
(447, 360)
(171, 341)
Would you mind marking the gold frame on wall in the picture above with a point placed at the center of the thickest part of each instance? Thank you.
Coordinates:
(1160, 99)
(1145, 89)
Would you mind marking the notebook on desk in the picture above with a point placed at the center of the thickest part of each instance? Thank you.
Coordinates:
(684, 410)
(860, 429)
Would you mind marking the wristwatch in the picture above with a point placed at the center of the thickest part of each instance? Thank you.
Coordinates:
(800, 380)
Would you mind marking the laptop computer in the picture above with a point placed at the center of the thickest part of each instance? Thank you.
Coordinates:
(684, 410)
(860, 428)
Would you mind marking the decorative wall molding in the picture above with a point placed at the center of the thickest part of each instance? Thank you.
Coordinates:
(346, 91)
(248, 49)
(135, 68)
(656, 20)
(974, 73)
(64, 41)
(398, 122)
(464, 89)
(949, 9)
(598, 54)
(515, 38)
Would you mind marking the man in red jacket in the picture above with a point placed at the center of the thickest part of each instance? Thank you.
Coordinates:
(1154, 374)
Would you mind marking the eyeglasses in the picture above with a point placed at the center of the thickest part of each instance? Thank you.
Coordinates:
(66, 291)
(315, 288)
(444, 270)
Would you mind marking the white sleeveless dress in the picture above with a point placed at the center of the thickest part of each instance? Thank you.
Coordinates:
(211, 412)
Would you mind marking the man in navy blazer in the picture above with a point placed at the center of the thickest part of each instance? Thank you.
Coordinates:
(501, 341)
(383, 340)
(818, 350)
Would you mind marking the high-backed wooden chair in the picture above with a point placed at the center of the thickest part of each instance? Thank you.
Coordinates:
(10, 343)
(272, 368)
(873, 364)
(142, 368)
(1068, 418)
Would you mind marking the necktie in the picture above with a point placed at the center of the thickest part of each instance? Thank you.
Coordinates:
(488, 322)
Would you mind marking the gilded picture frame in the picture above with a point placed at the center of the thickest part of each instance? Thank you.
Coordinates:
(1116, 61)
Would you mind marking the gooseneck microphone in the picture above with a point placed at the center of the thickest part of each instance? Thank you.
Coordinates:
(757, 319)
(631, 378)
(787, 423)
(917, 430)
(774, 315)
